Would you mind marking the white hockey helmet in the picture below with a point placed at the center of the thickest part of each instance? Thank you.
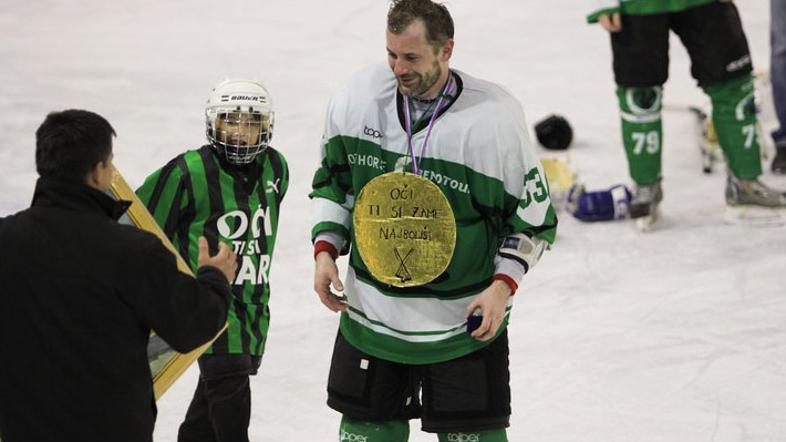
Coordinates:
(239, 119)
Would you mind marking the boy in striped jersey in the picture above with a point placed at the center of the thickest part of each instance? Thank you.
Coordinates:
(229, 191)
(471, 141)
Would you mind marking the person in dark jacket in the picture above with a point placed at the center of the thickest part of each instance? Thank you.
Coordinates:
(80, 294)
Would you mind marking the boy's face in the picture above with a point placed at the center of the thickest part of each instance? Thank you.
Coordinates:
(239, 129)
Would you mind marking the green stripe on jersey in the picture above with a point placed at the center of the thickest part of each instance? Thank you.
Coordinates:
(484, 212)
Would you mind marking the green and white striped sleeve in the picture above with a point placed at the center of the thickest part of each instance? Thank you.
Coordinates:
(331, 195)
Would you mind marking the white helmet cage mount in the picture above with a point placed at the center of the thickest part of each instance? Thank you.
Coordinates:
(239, 119)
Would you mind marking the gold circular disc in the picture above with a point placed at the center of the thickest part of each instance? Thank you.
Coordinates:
(405, 229)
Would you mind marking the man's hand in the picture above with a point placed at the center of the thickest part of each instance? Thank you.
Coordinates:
(325, 274)
(225, 260)
(611, 23)
(492, 303)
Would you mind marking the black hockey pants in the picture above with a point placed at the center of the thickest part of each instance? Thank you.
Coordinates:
(221, 408)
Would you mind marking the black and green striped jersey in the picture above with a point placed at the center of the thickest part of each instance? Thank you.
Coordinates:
(480, 156)
(197, 194)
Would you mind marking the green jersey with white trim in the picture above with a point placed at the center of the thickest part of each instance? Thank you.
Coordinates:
(641, 7)
(198, 194)
(480, 155)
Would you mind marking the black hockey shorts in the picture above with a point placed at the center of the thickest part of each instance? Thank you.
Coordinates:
(711, 33)
(467, 394)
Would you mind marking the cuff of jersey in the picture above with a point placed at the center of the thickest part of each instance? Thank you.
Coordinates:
(593, 18)
(507, 280)
(324, 246)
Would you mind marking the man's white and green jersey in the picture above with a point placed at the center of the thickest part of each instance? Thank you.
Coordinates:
(479, 153)
(641, 7)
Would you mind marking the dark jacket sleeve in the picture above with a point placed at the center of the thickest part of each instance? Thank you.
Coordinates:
(184, 311)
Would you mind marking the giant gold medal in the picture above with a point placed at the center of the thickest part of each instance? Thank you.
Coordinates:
(405, 230)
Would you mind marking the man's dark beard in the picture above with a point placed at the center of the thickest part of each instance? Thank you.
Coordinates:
(426, 82)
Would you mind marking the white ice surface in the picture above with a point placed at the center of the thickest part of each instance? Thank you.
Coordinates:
(676, 335)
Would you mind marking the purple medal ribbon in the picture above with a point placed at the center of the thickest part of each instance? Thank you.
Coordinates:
(408, 126)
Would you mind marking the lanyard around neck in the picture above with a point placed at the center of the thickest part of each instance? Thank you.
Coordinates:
(408, 126)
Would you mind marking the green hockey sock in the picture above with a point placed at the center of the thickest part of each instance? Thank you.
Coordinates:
(642, 131)
(734, 117)
(362, 431)
(481, 436)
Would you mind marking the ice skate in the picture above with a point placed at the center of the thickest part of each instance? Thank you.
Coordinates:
(753, 203)
(644, 205)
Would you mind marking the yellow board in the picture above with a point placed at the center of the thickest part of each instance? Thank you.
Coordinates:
(166, 364)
